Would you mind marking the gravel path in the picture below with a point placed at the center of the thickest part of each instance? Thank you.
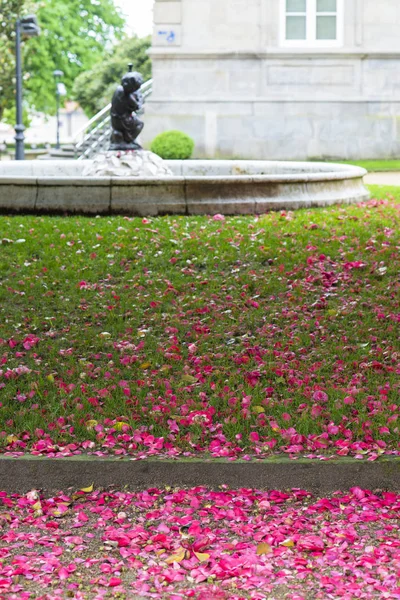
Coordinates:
(384, 178)
(174, 544)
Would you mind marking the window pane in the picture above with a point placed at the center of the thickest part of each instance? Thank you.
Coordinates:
(326, 6)
(297, 6)
(326, 28)
(296, 28)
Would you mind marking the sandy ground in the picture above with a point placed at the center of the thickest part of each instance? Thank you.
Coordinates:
(390, 178)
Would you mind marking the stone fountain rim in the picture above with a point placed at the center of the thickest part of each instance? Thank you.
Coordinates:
(345, 173)
(193, 191)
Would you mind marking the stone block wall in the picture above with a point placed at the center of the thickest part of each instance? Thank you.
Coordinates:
(221, 75)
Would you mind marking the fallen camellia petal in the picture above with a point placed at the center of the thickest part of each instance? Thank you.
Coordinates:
(310, 543)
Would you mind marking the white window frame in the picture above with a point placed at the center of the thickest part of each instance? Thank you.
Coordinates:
(311, 27)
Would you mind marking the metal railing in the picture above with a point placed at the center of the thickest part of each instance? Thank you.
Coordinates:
(95, 135)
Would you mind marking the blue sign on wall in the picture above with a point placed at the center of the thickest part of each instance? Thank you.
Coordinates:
(168, 35)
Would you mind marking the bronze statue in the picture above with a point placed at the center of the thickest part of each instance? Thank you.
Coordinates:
(126, 102)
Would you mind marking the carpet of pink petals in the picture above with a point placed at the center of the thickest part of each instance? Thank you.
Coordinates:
(233, 338)
(201, 544)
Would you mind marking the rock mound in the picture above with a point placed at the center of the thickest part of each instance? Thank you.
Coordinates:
(134, 163)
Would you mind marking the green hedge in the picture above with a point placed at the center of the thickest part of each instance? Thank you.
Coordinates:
(173, 145)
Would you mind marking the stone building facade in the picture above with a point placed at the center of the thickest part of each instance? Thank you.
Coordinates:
(278, 79)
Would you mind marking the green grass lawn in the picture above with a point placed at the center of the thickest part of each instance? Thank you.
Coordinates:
(374, 165)
(181, 335)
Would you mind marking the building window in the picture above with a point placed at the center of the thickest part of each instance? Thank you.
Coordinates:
(312, 23)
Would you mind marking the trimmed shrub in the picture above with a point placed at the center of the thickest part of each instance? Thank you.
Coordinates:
(173, 145)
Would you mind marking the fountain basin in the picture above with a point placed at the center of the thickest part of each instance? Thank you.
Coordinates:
(198, 187)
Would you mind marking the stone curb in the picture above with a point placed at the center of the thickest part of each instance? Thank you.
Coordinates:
(19, 475)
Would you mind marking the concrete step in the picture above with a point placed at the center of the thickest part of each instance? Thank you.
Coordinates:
(62, 153)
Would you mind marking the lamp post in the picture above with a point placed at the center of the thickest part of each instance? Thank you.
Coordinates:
(19, 127)
(60, 91)
(27, 27)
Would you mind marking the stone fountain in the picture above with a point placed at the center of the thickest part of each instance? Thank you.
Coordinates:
(130, 180)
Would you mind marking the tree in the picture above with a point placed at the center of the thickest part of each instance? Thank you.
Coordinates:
(9, 11)
(94, 89)
(75, 34)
